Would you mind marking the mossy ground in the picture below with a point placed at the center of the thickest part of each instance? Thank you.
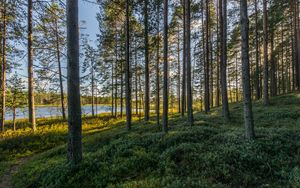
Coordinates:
(212, 153)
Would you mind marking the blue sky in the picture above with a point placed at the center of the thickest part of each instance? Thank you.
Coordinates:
(87, 12)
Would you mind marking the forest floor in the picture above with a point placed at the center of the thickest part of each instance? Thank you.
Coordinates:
(6, 178)
(212, 153)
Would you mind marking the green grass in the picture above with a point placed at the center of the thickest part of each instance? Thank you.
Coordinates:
(50, 134)
(212, 153)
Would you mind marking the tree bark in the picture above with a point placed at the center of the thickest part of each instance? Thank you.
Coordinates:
(166, 86)
(236, 80)
(93, 88)
(62, 98)
(157, 109)
(74, 108)
(116, 75)
(223, 34)
(147, 87)
(127, 71)
(282, 61)
(14, 119)
(273, 68)
(179, 73)
(248, 116)
(204, 53)
(297, 40)
(3, 79)
(211, 70)
(183, 90)
(136, 80)
(218, 56)
(1, 51)
(256, 81)
(122, 86)
(293, 47)
(140, 96)
(188, 62)
(31, 106)
(116, 88)
(112, 89)
(266, 66)
(206, 66)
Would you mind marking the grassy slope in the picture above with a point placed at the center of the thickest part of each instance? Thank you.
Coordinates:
(51, 133)
(210, 154)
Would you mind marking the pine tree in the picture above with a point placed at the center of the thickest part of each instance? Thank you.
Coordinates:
(74, 107)
(248, 116)
(166, 82)
(31, 106)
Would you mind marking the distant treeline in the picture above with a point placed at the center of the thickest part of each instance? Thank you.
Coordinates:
(54, 99)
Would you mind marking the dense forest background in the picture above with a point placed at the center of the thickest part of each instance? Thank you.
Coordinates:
(273, 53)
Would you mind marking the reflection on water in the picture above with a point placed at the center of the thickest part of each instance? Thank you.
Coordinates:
(53, 111)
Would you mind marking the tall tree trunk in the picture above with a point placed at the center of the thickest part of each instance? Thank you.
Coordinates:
(230, 91)
(266, 66)
(248, 116)
(218, 56)
(293, 46)
(1, 52)
(282, 61)
(223, 34)
(157, 109)
(112, 89)
(31, 107)
(297, 41)
(116, 88)
(116, 75)
(166, 84)
(211, 70)
(147, 87)
(178, 72)
(136, 79)
(183, 90)
(289, 68)
(257, 88)
(206, 67)
(93, 89)
(261, 61)
(171, 96)
(273, 68)
(203, 53)
(3, 79)
(127, 71)
(96, 100)
(74, 108)
(62, 98)
(122, 85)
(140, 96)
(188, 62)
(236, 80)
(14, 119)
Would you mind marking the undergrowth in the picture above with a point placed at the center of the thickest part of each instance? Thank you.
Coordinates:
(212, 153)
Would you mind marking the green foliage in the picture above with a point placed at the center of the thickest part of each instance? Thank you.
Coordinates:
(15, 97)
(294, 177)
(210, 154)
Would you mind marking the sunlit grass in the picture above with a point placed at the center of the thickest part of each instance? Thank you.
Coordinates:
(212, 153)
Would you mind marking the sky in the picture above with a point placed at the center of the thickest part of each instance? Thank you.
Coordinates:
(87, 13)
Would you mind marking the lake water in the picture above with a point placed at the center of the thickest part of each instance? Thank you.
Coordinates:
(53, 111)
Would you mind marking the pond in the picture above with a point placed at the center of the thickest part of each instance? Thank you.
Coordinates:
(53, 111)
